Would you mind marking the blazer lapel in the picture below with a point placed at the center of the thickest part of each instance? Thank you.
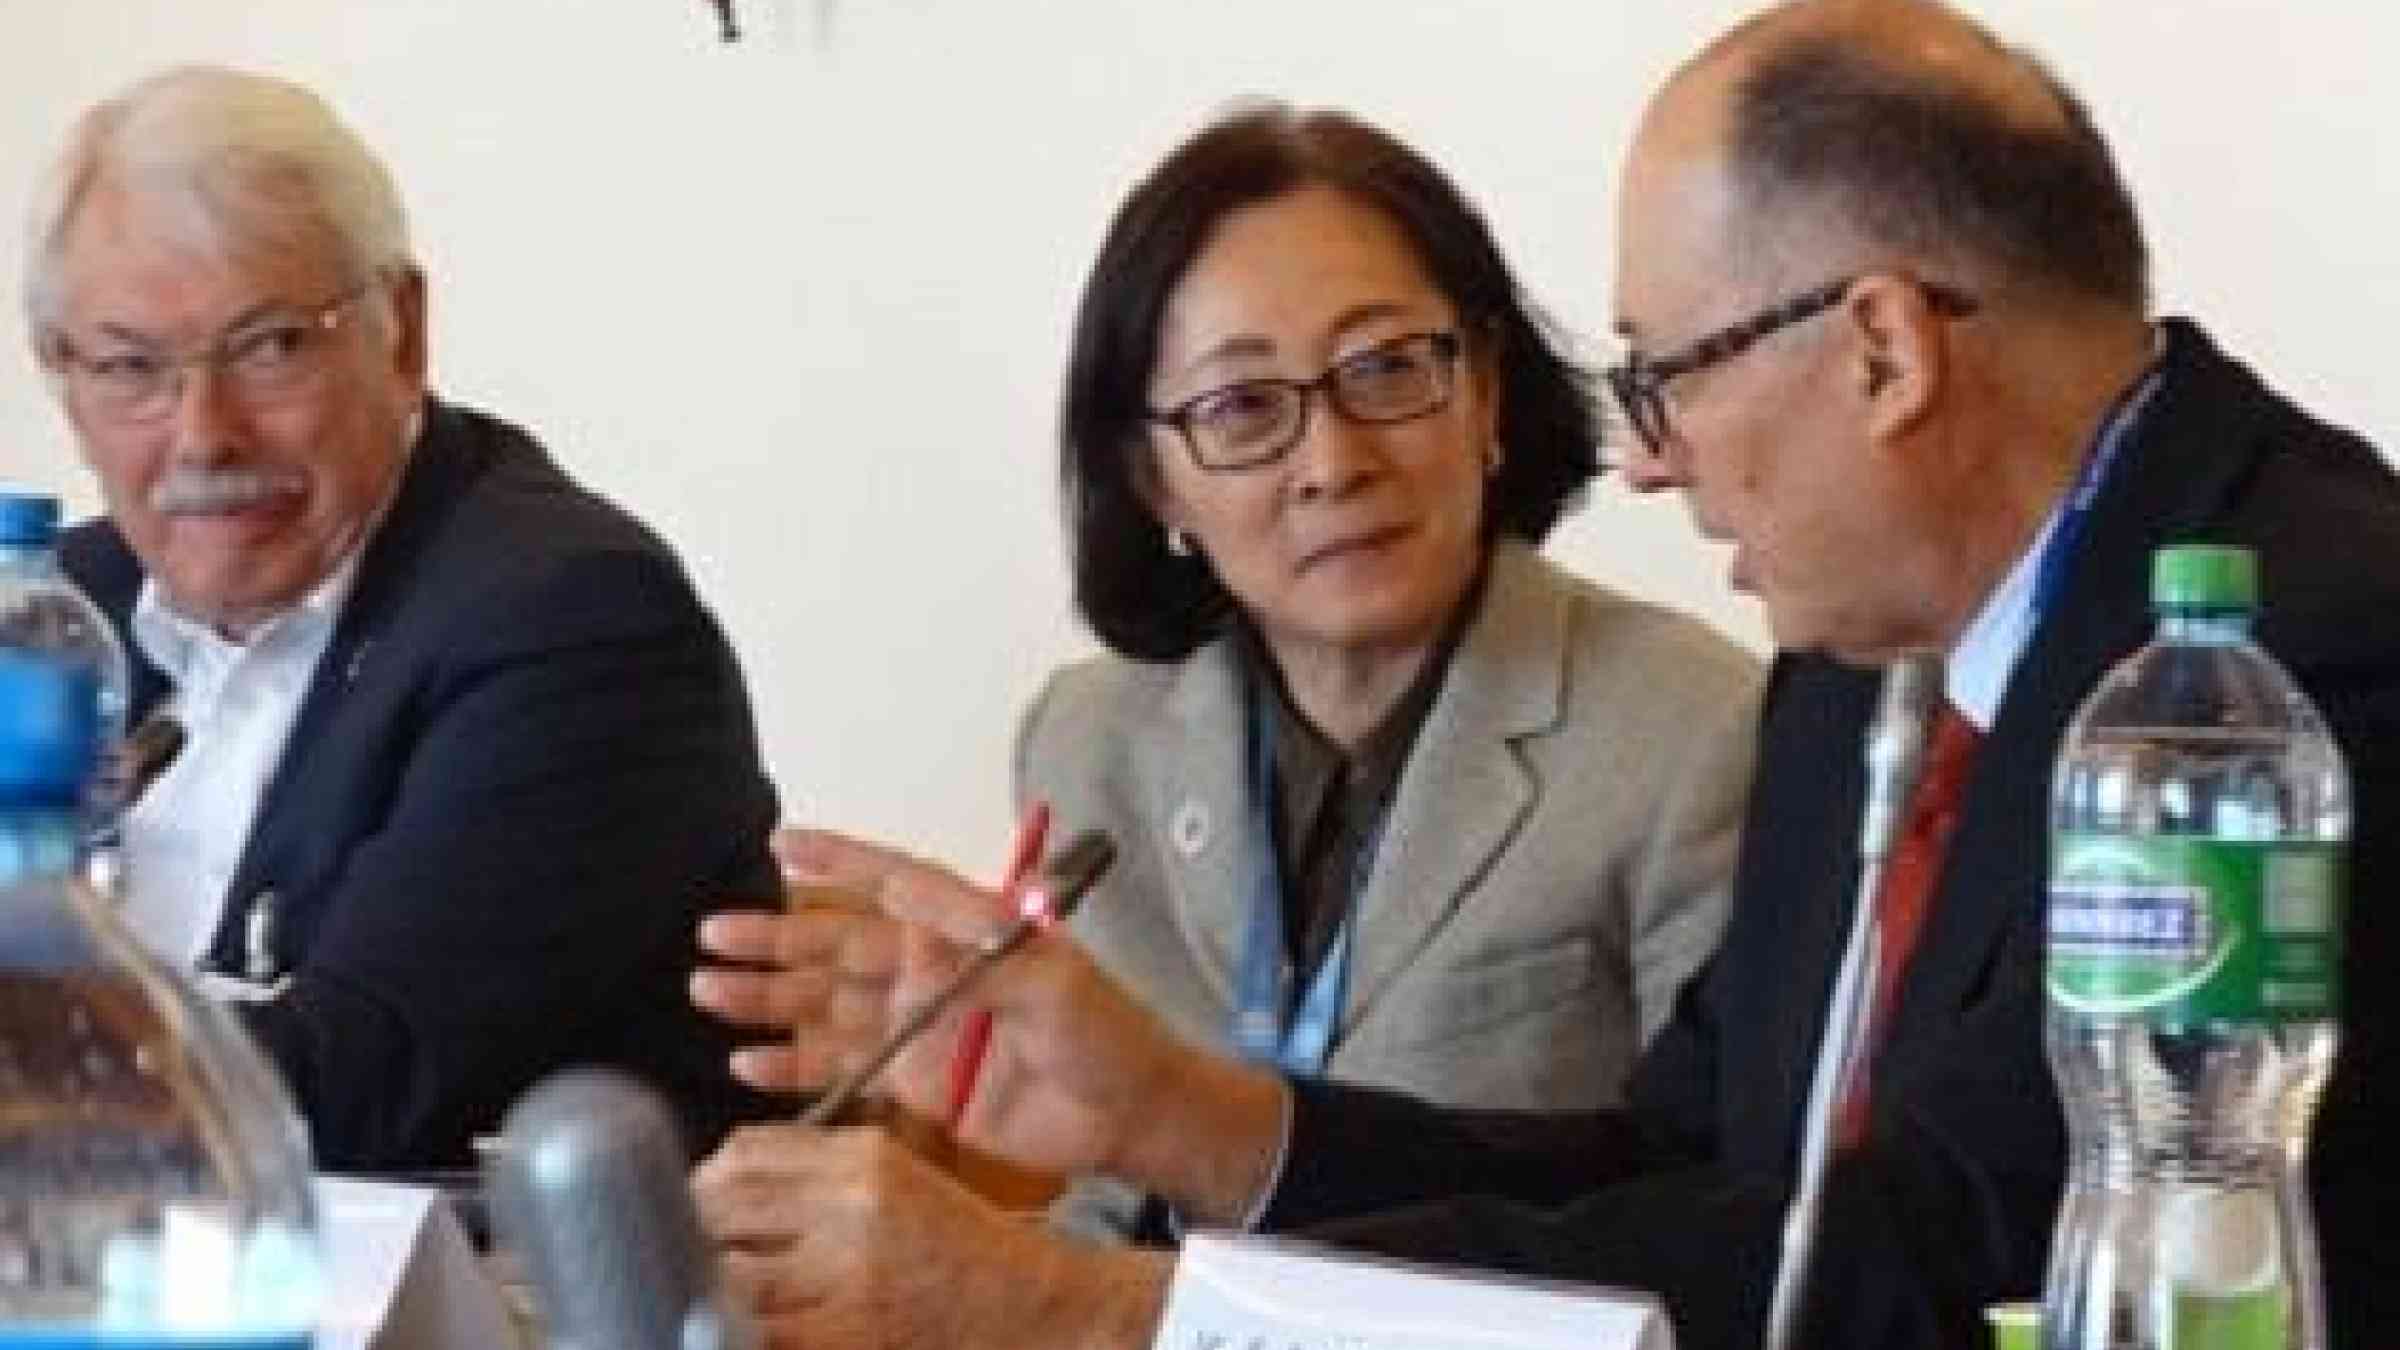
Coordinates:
(1465, 790)
(441, 466)
(1193, 760)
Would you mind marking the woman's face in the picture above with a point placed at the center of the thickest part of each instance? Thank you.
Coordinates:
(1363, 535)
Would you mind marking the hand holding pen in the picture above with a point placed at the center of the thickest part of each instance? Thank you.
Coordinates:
(1056, 892)
(1076, 1067)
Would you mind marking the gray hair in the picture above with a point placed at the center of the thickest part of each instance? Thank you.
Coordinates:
(1916, 161)
(236, 162)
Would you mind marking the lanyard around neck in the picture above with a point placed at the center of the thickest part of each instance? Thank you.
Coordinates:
(1267, 1029)
(2075, 511)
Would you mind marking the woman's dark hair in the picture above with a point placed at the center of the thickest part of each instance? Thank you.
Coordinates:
(1150, 604)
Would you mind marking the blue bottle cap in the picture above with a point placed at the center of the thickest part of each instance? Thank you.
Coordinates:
(28, 519)
(49, 729)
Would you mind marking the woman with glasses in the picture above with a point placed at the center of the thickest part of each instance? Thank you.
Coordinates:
(1397, 800)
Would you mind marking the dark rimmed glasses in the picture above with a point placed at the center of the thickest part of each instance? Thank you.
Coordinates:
(267, 357)
(1252, 423)
(1640, 383)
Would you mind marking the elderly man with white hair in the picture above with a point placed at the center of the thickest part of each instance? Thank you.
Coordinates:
(466, 756)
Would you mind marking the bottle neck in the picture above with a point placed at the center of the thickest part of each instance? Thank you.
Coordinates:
(2205, 627)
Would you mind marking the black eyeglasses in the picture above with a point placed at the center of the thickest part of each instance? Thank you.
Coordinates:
(1640, 384)
(1251, 423)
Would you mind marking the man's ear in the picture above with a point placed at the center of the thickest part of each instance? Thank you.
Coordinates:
(409, 356)
(1902, 362)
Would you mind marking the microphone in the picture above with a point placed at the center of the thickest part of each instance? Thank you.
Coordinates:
(1895, 755)
(589, 1185)
(1912, 688)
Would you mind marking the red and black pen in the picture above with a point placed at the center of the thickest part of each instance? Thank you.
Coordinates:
(974, 1042)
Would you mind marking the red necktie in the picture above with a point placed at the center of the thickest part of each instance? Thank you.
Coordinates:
(1905, 894)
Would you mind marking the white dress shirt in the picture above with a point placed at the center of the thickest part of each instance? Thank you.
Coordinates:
(1986, 654)
(237, 702)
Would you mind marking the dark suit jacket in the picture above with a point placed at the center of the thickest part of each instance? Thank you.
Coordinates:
(1950, 1201)
(525, 765)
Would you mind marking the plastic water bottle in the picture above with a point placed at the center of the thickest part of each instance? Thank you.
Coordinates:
(154, 1177)
(40, 608)
(2199, 818)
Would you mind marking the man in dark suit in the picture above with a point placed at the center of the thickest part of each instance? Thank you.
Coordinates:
(1890, 304)
(465, 758)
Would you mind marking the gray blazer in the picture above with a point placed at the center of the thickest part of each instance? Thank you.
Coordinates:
(1555, 864)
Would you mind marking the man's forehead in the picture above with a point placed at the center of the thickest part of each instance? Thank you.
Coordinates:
(1675, 210)
(130, 256)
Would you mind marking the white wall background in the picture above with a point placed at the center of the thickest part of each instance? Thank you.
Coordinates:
(802, 302)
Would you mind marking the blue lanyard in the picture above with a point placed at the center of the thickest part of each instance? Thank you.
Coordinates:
(2066, 539)
(1262, 1033)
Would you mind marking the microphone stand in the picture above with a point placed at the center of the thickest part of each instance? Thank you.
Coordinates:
(1895, 754)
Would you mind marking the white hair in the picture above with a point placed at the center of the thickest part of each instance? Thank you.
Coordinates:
(233, 163)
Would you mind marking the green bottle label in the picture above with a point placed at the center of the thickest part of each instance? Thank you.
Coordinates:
(2179, 930)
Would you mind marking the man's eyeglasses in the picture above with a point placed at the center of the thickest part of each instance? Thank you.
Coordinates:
(1250, 423)
(268, 357)
(1640, 383)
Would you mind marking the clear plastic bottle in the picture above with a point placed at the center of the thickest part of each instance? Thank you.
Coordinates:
(154, 1177)
(40, 608)
(2199, 818)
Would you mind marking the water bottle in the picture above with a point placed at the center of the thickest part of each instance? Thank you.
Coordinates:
(154, 1177)
(2199, 816)
(40, 608)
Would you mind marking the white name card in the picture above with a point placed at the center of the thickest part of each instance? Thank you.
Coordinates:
(1249, 1293)
(404, 1276)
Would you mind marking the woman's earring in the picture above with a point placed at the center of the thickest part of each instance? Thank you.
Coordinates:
(1178, 543)
(1491, 460)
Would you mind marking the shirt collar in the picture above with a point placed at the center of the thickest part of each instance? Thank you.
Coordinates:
(1307, 754)
(180, 645)
(1309, 765)
(1986, 654)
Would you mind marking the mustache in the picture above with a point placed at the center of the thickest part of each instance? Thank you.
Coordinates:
(192, 491)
